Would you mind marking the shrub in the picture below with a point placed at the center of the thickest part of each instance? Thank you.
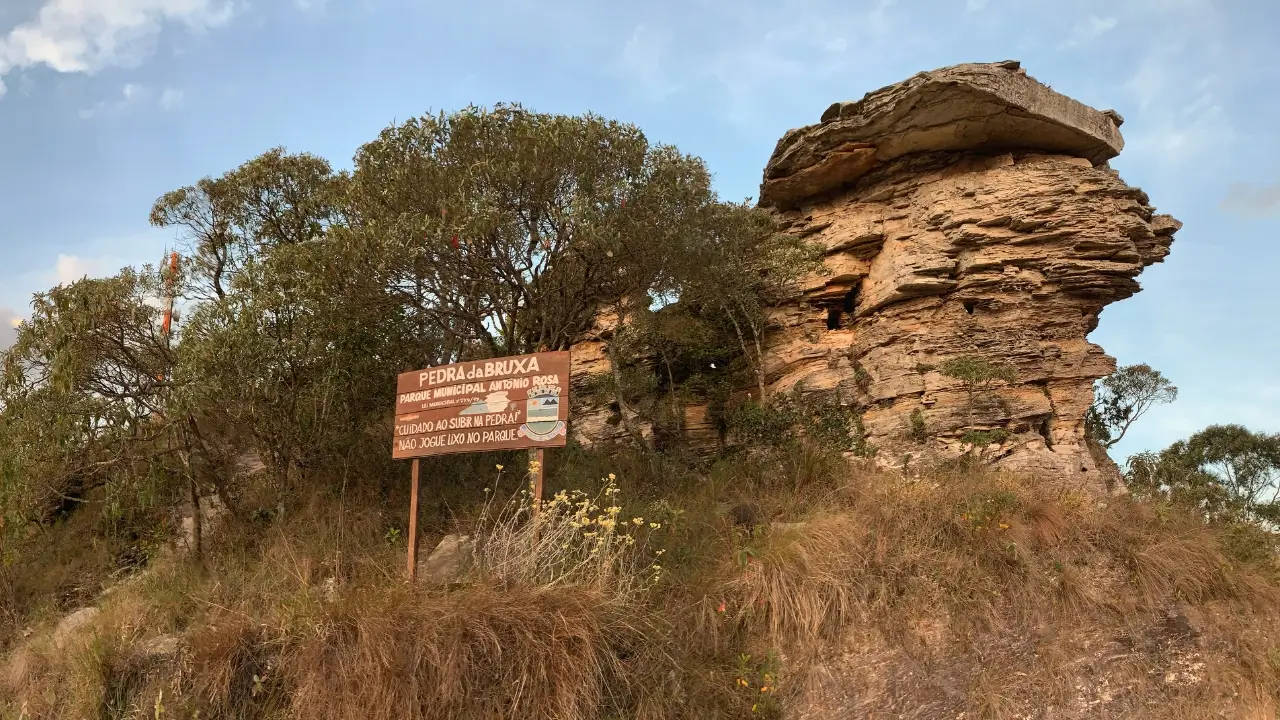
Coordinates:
(919, 432)
(572, 539)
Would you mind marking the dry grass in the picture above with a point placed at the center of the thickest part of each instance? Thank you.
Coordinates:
(572, 539)
(963, 592)
(1005, 592)
(478, 653)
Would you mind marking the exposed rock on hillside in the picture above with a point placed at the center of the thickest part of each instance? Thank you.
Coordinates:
(967, 212)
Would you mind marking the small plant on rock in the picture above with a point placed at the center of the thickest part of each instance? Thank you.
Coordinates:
(919, 432)
(977, 375)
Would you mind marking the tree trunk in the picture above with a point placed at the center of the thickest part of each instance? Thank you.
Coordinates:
(615, 367)
(219, 483)
(755, 365)
(197, 522)
(760, 378)
(677, 411)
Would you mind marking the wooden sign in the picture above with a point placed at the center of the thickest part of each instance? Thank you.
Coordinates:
(500, 404)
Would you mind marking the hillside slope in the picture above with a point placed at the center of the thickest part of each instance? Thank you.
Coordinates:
(960, 593)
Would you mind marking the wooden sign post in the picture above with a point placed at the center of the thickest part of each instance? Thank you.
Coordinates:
(413, 521)
(506, 403)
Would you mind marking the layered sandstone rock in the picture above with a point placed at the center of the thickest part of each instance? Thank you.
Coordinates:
(982, 222)
(593, 419)
(966, 212)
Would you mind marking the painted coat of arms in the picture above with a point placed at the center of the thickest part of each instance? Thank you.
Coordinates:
(542, 415)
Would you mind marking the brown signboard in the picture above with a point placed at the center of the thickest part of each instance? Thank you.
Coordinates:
(500, 404)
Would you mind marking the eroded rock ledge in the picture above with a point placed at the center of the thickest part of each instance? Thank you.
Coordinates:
(991, 107)
(965, 212)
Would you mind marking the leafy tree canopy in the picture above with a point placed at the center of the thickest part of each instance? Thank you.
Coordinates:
(1226, 470)
(458, 236)
(1124, 396)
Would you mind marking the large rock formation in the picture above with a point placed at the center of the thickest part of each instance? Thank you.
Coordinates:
(967, 212)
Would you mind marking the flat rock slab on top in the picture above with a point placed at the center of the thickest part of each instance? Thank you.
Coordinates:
(989, 106)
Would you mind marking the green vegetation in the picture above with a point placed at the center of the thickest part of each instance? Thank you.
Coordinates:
(977, 375)
(1124, 396)
(631, 593)
(919, 430)
(787, 418)
(478, 234)
(1225, 471)
(306, 617)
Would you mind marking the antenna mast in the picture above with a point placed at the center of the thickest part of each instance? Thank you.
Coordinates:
(168, 293)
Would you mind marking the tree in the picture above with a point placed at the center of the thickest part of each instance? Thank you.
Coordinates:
(84, 398)
(300, 358)
(1123, 397)
(743, 269)
(273, 200)
(504, 230)
(977, 375)
(1225, 470)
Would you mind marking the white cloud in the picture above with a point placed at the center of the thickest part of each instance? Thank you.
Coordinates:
(878, 18)
(744, 53)
(131, 94)
(975, 5)
(310, 5)
(1253, 200)
(134, 95)
(642, 60)
(8, 327)
(70, 268)
(84, 36)
(1091, 29)
(1183, 85)
(171, 99)
(1182, 120)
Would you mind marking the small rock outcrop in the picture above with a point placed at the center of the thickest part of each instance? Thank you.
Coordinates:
(72, 625)
(449, 561)
(967, 213)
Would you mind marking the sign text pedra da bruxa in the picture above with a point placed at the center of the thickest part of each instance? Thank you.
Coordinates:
(501, 404)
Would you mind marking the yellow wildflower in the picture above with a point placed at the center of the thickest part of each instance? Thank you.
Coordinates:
(1004, 526)
(499, 468)
(655, 526)
(612, 476)
(743, 683)
(637, 521)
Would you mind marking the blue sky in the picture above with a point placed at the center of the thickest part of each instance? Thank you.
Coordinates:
(110, 103)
